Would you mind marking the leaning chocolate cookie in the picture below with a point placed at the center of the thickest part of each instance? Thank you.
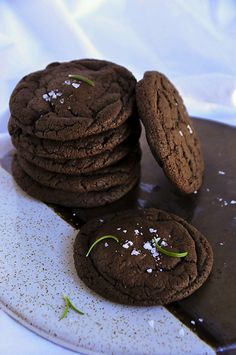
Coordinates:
(51, 104)
(142, 258)
(170, 132)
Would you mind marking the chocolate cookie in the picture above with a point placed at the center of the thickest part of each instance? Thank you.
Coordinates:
(170, 132)
(116, 175)
(79, 166)
(49, 104)
(133, 271)
(74, 149)
(66, 198)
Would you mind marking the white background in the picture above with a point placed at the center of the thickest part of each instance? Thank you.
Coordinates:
(192, 41)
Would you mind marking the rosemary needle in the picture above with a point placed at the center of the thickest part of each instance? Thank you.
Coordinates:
(99, 240)
(170, 253)
(68, 305)
(82, 78)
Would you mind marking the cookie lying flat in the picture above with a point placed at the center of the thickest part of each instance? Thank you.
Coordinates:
(116, 175)
(74, 149)
(49, 104)
(67, 198)
(170, 134)
(132, 271)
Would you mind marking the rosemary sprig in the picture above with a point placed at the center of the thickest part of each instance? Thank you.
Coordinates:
(82, 78)
(170, 253)
(68, 305)
(99, 240)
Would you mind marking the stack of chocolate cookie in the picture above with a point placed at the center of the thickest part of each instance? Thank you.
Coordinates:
(76, 132)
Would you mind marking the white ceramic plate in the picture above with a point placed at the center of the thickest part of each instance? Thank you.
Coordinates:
(36, 268)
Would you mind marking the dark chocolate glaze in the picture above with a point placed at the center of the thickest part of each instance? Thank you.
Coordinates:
(214, 302)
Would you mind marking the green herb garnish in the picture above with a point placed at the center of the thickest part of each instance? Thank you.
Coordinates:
(82, 78)
(170, 253)
(99, 240)
(68, 305)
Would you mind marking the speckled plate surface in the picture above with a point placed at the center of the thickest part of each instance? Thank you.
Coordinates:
(36, 249)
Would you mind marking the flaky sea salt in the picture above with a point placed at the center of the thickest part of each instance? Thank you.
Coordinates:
(135, 252)
(152, 230)
(53, 94)
(67, 82)
(124, 230)
(127, 244)
(181, 133)
(75, 85)
(149, 271)
(46, 97)
(200, 320)
(151, 322)
(181, 332)
(193, 322)
(190, 129)
(163, 243)
(220, 172)
(147, 246)
(233, 202)
(106, 245)
(136, 232)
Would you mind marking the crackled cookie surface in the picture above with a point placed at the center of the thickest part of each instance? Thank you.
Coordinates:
(170, 132)
(133, 271)
(49, 104)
